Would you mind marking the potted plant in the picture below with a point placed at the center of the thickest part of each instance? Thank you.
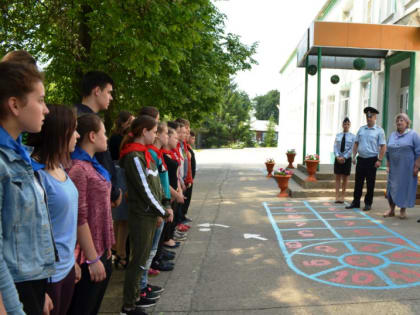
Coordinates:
(282, 177)
(269, 164)
(291, 157)
(311, 162)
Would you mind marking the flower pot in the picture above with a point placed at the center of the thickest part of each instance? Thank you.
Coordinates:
(269, 167)
(290, 159)
(283, 183)
(311, 166)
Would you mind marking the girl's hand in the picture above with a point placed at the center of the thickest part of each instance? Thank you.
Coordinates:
(78, 272)
(415, 171)
(48, 305)
(97, 271)
(159, 221)
(180, 197)
(171, 215)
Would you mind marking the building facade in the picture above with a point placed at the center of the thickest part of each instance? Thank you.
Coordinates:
(395, 83)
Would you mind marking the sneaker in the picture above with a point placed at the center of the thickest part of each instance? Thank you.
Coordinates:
(155, 288)
(163, 265)
(167, 256)
(182, 228)
(148, 294)
(153, 272)
(179, 238)
(188, 220)
(134, 311)
(179, 233)
(144, 302)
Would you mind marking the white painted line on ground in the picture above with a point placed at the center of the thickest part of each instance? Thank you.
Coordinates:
(256, 236)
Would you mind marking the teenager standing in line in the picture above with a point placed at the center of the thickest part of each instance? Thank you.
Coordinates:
(120, 213)
(95, 235)
(97, 89)
(147, 290)
(52, 147)
(28, 253)
(146, 203)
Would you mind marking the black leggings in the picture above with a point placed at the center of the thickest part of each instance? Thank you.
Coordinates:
(32, 295)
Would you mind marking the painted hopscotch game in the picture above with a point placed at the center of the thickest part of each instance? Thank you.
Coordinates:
(345, 248)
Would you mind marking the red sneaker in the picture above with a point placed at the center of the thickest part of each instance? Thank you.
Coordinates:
(182, 228)
(153, 272)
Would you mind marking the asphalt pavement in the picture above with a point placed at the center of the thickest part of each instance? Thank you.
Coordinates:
(249, 252)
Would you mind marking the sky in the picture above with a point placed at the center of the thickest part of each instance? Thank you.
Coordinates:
(278, 26)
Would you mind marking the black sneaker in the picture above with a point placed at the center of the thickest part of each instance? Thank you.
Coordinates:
(134, 311)
(162, 265)
(155, 288)
(145, 302)
(148, 294)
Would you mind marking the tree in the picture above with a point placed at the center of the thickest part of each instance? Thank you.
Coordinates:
(230, 123)
(172, 54)
(266, 105)
(270, 135)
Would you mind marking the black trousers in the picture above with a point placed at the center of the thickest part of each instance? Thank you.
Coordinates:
(88, 295)
(365, 169)
(188, 194)
(32, 295)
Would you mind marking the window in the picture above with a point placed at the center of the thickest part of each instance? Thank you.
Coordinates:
(387, 9)
(365, 93)
(344, 103)
(329, 114)
(368, 12)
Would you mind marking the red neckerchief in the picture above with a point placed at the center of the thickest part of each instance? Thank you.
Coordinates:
(137, 147)
(159, 154)
(172, 154)
(178, 151)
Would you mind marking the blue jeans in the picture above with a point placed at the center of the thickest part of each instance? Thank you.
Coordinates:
(145, 276)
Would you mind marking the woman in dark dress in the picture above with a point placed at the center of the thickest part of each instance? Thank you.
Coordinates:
(343, 147)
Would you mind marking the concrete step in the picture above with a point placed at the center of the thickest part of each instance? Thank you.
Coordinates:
(300, 178)
(326, 172)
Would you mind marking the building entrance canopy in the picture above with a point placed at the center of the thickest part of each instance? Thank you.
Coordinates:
(342, 43)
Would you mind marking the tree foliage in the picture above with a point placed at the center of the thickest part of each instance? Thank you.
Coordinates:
(172, 54)
(230, 124)
(266, 105)
(270, 135)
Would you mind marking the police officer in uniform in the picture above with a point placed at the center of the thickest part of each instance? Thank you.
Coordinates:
(370, 146)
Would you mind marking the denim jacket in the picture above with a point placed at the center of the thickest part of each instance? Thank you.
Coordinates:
(27, 250)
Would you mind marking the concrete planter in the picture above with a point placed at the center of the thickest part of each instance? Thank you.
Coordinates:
(311, 166)
(270, 167)
(283, 183)
(290, 159)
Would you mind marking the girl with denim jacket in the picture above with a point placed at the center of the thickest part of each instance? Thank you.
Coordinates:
(27, 250)
(52, 147)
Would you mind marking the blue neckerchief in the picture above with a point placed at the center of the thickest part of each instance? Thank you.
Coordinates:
(80, 154)
(16, 145)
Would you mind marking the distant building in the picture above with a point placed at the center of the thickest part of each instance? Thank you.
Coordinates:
(260, 127)
(390, 85)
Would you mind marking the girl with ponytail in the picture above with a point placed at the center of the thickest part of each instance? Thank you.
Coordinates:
(147, 206)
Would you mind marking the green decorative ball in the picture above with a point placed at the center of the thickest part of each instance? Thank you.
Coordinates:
(312, 69)
(359, 64)
(335, 79)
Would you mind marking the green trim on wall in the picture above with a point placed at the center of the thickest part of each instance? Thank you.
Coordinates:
(366, 77)
(410, 111)
(326, 9)
(305, 110)
(289, 60)
(397, 57)
(318, 103)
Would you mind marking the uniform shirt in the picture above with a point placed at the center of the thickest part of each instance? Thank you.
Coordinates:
(348, 147)
(369, 140)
